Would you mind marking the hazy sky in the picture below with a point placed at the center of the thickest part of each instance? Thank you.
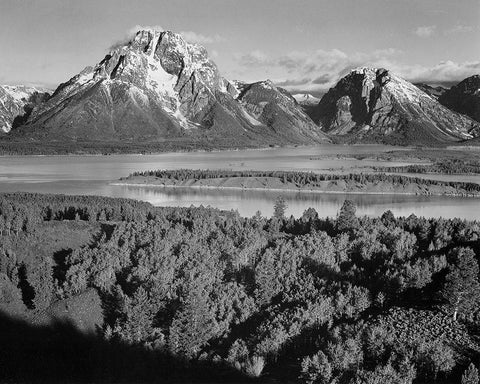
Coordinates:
(301, 44)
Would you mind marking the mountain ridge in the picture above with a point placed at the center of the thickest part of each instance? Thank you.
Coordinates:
(157, 87)
(374, 105)
(464, 97)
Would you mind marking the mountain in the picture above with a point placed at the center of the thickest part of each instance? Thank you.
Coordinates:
(158, 87)
(464, 97)
(306, 99)
(277, 109)
(373, 105)
(16, 101)
(433, 92)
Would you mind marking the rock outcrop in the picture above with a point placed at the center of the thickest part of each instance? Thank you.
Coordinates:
(373, 105)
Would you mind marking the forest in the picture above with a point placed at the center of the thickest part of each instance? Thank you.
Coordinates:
(444, 166)
(102, 289)
(303, 179)
(10, 147)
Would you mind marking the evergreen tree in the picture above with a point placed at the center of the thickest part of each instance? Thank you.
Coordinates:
(279, 208)
(346, 219)
(470, 376)
(316, 369)
(462, 287)
(193, 326)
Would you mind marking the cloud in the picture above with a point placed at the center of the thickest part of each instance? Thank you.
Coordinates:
(317, 71)
(312, 70)
(292, 82)
(425, 31)
(132, 32)
(459, 29)
(197, 38)
(255, 58)
(322, 79)
(190, 36)
(443, 72)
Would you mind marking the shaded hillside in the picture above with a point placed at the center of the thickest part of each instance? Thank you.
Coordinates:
(464, 97)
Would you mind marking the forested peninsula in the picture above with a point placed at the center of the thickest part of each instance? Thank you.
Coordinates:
(365, 183)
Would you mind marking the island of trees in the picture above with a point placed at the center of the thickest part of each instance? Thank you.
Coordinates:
(302, 181)
(444, 166)
(97, 289)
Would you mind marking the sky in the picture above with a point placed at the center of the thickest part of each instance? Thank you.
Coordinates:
(303, 45)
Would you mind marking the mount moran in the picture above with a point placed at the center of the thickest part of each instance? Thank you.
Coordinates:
(158, 88)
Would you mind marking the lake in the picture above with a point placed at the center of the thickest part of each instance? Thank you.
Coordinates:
(93, 175)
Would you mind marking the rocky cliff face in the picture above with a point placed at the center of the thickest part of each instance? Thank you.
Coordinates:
(373, 105)
(155, 87)
(17, 101)
(464, 97)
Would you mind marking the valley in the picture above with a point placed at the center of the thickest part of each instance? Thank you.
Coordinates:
(267, 192)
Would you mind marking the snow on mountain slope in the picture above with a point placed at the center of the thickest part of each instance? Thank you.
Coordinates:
(13, 99)
(306, 99)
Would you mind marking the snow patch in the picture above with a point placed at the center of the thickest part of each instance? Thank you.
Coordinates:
(250, 118)
(404, 89)
(18, 92)
(6, 128)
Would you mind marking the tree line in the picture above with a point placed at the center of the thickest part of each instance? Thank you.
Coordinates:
(303, 179)
(446, 166)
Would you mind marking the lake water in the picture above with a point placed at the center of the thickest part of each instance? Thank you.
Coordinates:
(93, 175)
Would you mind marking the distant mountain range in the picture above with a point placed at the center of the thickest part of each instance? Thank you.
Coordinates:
(159, 88)
(306, 99)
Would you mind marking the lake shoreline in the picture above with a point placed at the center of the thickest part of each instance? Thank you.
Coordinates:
(221, 150)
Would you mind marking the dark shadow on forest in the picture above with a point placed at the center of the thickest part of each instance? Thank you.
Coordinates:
(59, 353)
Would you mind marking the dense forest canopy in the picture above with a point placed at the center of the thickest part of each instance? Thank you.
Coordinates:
(337, 300)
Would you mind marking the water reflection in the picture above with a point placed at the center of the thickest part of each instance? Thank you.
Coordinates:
(328, 204)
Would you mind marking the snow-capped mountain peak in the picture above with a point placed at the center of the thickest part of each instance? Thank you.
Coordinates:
(159, 86)
(306, 99)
